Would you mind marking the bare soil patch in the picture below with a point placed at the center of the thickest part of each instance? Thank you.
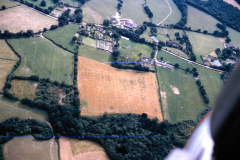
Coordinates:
(233, 2)
(65, 149)
(213, 54)
(222, 40)
(125, 91)
(23, 18)
(175, 90)
(98, 155)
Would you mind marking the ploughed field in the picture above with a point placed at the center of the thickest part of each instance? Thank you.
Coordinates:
(104, 88)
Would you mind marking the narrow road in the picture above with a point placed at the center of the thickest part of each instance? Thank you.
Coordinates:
(167, 15)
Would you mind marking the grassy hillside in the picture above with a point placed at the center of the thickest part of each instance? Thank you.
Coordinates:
(38, 2)
(133, 9)
(173, 60)
(22, 18)
(135, 49)
(43, 58)
(8, 3)
(200, 20)
(63, 36)
(211, 81)
(234, 36)
(161, 10)
(95, 11)
(6, 52)
(176, 51)
(203, 44)
(185, 105)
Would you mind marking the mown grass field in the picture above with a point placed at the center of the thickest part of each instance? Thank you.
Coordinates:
(95, 11)
(160, 10)
(211, 81)
(176, 51)
(43, 58)
(11, 109)
(203, 44)
(173, 60)
(200, 20)
(133, 9)
(64, 35)
(185, 105)
(23, 89)
(8, 3)
(22, 18)
(89, 42)
(135, 49)
(234, 36)
(27, 148)
(95, 54)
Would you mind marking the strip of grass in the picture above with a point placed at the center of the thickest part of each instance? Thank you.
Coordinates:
(133, 9)
(135, 49)
(64, 35)
(5, 68)
(43, 58)
(23, 89)
(95, 11)
(11, 109)
(8, 3)
(188, 103)
(161, 10)
(95, 54)
(203, 44)
(211, 81)
(176, 51)
(173, 60)
(199, 20)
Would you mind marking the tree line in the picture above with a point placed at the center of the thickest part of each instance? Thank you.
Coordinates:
(182, 6)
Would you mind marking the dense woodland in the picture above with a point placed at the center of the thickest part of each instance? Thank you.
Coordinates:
(181, 4)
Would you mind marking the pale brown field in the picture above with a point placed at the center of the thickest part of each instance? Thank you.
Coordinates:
(116, 91)
(97, 155)
(23, 18)
(65, 149)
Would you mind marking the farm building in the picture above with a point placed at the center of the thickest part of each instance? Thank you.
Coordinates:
(154, 39)
(104, 45)
(171, 43)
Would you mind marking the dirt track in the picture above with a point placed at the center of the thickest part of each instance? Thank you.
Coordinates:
(116, 91)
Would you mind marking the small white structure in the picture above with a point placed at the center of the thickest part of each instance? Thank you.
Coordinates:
(125, 38)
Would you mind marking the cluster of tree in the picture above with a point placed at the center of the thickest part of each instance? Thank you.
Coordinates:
(148, 11)
(63, 19)
(202, 92)
(3, 7)
(16, 127)
(106, 22)
(227, 53)
(43, 4)
(53, 27)
(221, 10)
(79, 15)
(182, 6)
(7, 34)
(188, 49)
(119, 5)
(149, 24)
(153, 31)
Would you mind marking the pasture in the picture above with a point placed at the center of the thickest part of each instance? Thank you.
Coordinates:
(89, 42)
(162, 34)
(11, 109)
(5, 68)
(96, 11)
(23, 89)
(160, 10)
(6, 52)
(116, 91)
(27, 148)
(63, 36)
(38, 2)
(95, 54)
(234, 36)
(211, 81)
(204, 44)
(8, 3)
(177, 51)
(43, 58)
(135, 49)
(179, 95)
(133, 9)
(22, 18)
(200, 20)
(173, 60)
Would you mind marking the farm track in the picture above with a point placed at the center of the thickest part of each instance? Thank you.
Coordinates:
(167, 15)
(8, 59)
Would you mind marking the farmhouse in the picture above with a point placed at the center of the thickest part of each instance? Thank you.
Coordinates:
(171, 43)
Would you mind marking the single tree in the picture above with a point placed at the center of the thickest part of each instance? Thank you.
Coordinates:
(3, 7)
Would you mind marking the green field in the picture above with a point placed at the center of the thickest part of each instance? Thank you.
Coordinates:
(173, 60)
(8, 3)
(23, 89)
(234, 36)
(38, 2)
(162, 32)
(185, 105)
(146, 37)
(63, 36)
(74, 3)
(133, 9)
(161, 10)
(203, 44)
(95, 54)
(11, 109)
(27, 148)
(200, 20)
(89, 42)
(177, 51)
(136, 48)
(211, 81)
(43, 58)
(6, 52)
(95, 11)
